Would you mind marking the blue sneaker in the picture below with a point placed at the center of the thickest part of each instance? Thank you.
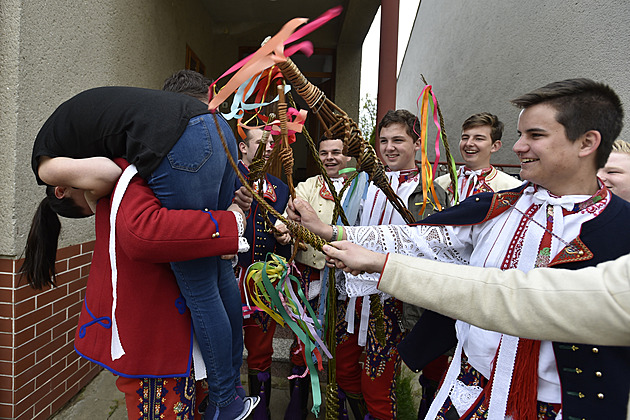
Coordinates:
(237, 410)
(249, 404)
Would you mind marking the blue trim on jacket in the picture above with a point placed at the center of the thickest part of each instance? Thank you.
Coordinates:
(262, 242)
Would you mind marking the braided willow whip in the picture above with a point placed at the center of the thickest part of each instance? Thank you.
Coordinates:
(343, 127)
(296, 229)
(376, 307)
(338, 124)
(332, 399)
(256, 168)
(322, 170)
(332, 391)
(286, 154)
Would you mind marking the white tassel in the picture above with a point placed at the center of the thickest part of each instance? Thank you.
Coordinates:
(117, 350)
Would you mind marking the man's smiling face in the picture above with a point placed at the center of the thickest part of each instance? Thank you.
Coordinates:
(397, 147)
(330, 153)
(476, 146)
(548, 158)
(616, 174)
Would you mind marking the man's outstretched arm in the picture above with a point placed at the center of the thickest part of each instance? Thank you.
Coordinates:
(591, 305)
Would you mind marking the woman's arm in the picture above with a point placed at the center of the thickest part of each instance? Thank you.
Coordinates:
(96, 175)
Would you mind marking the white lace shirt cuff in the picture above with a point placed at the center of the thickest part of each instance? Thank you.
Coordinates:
(243, 245)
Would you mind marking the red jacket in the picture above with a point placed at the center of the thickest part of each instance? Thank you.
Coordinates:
(153, 322)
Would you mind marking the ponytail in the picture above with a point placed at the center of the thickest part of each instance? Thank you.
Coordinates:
(40, 253)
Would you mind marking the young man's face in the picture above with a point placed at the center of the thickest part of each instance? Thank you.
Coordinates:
(616, 174)
(398, 149)
(476, 147)
(548, 158)
(248, 151)
(330, 153)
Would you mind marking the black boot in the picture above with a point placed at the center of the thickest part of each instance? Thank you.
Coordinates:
(429, 389)
(299, 389)
(260, 384)
(357, 405)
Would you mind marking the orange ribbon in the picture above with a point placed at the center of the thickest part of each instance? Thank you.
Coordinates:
(270, 53)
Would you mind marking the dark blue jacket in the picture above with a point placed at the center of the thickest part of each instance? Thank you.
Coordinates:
(259, 236)
(595, 380)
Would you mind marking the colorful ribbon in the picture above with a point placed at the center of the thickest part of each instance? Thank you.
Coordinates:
(295, 123)
(243, 93)
(270, 53)
(276, 292)
(425, 101)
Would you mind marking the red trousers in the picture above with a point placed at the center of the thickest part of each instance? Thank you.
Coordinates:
(375, 376)
(258, 338)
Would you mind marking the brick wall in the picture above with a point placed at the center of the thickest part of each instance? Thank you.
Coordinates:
(39, 370)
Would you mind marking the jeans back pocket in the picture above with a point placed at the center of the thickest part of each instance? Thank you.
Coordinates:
(193, 148)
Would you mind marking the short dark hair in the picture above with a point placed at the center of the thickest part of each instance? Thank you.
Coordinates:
(485, 119)
(248, 135)
(190, 83)
(400, 116)
(581, 105)
(326, 138)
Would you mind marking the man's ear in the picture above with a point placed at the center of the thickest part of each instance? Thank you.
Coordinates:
(60, 192)
(242, 147)
(496, 146)
(589, 143)
(417, 144)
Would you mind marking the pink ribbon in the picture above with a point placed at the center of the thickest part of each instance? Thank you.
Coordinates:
(263, 58)
(293, 127)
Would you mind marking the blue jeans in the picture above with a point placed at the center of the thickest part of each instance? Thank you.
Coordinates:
(197, 175)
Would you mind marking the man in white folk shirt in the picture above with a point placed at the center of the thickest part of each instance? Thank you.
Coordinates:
(310, 262)
(563, 217)
(374, 379)
(481, 137)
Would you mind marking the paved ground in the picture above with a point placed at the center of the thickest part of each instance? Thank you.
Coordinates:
(101, 400)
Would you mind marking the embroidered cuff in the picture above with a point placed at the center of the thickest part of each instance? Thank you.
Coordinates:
(240, 223)
(243, 245)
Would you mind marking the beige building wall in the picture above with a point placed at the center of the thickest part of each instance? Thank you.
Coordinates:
(480, 54)
(49, 51)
